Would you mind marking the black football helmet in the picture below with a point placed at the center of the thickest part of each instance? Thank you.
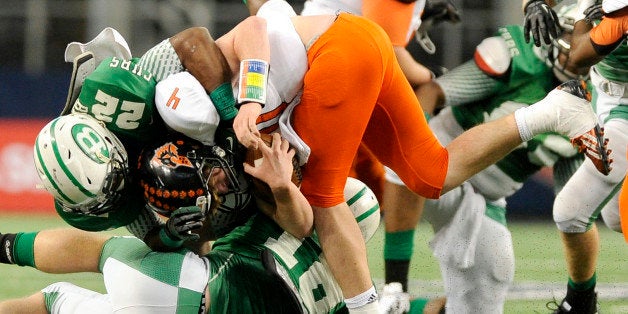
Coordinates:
(177, 172)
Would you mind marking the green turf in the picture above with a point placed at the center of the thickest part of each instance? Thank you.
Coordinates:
(537, 249)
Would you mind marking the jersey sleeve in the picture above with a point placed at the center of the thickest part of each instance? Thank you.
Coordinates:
(610, 32)
(396, 21)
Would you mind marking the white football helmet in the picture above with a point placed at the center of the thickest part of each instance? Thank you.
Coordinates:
(364, 206)
(81, 163)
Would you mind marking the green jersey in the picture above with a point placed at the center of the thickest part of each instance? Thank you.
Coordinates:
(613, 66)
(527, 81)
(234, 272)
(299, 261)
(121, 93)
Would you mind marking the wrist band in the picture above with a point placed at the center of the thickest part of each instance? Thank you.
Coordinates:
(223, 100)
(167, 240)
(253, 81)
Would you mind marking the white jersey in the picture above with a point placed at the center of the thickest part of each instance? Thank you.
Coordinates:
(288, 61)
(318, 7)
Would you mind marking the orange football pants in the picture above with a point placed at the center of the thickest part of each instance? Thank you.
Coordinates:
(623, 207)
(355, 91)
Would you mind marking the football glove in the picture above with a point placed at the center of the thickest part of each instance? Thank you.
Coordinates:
(435, 12)
(182, 222)
(541, 21)
(440, 11)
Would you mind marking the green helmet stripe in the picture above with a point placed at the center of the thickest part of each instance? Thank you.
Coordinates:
(367, 213)
(66, 171)
(48, 175)
(357, 196)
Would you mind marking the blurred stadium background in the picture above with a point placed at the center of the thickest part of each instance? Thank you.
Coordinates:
(33, 87)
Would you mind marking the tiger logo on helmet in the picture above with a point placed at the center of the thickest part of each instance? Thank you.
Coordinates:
(182, 172)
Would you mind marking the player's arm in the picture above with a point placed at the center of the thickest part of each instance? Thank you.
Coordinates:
(471, 81)
(246, 47)
(56, 251)
(591, 44)
(397, 23)
(201, 56)
(291, 210)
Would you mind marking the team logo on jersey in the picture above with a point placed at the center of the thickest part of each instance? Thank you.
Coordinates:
(91, 143)
(168, 155)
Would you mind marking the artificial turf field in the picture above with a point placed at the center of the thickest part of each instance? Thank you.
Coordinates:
(539, 276)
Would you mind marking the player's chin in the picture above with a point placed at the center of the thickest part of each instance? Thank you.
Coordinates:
(221, 188)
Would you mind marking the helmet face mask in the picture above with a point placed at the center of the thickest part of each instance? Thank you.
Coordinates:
(82, 164)
(181, 171)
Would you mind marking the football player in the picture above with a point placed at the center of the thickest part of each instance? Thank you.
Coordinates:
(600, 44)
(471, 240)
(343, 105)
(119, 91)
(402, 20)
(542, 22)
(256, 268)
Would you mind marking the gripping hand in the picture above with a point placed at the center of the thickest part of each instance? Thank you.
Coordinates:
(541, 21)
(440, 11)
(182, 221)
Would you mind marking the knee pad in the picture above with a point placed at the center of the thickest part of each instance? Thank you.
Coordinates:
(610, 214)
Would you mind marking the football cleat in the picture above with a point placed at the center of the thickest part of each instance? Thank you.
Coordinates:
(393, 300)
(565, 307)
(578, 120)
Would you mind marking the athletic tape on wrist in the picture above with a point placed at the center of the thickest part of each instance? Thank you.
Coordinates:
(223, 100)
(253, 81)
(167, 240)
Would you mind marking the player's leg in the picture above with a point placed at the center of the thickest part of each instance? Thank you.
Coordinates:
(32, 304)
(344, 111)
(54, 251)
(64, 297)
(403, 209)
(575, 213)
(162, 281)
(481, 287)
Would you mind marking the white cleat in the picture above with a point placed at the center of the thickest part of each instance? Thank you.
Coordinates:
(393, 300)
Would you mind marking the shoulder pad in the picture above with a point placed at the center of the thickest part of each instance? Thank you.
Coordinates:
(492, 56)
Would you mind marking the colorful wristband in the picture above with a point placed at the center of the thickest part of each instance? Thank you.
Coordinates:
(167, 240)
(253, 81)
(223, 100)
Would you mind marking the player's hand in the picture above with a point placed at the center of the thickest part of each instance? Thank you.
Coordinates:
(183, 221)
(245, 124)
(541, 21)
(276, 167)
(440, 11)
